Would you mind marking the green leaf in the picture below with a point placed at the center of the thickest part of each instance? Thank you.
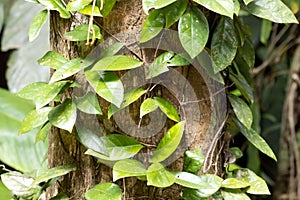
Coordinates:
(223, 7)
(116, 63)
(152, 26)
(242, 110)
(178, 60)
(107, 85)
(52, 59)
(37, 24)
(162, 3)
(147, 5)
(111, 50)
(253, 137)
(128, 168)
(193, 161)
(77, 4)
(129, 97)
(245, 57)
(43, 133)
(70, 68)
(4, 191)
(53, 173)
(174, 11)
(159, 65)
(64, 115)
(42, 93)
(109, 191)
(107, 7)
(234, 183)
(148, 105)
(56, 5)
(89, 104)
(234, 195)
(257, 185)
(159, 176)
(243, 86)
(209, 185)
(167, 108)
(247, 1)
(188, 180)
(273, 10)
(80, 33)
(266, 29)
(193, 31)
(236, 152)
(224, 44)
(35, 119)
(88, 10)
(236, 7)
(168, 143)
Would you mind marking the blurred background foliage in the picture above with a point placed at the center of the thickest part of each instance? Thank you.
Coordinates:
(275, 47)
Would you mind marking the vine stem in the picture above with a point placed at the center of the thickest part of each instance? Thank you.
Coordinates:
(91, 27)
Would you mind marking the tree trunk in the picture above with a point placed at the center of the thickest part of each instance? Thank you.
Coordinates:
(124, 23)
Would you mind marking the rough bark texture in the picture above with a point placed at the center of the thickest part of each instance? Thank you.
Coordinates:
(125, 22)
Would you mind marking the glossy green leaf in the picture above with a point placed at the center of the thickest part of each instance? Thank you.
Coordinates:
(147, 5)
(56, 5)
(193, 31)
(89, 104)
(88, 10)
(19, 184)
(116, 63)
(64, 115)
(129, 97)
(77, 4)
(245, 57)
(224, 44)
(34, 119)
(148, 105)
(241, 110)
(42, 93)
(107, 7)
(107, 85)
(234, 183)
(37, 24)
(162, 3)
(159, 176)
(174, 11)
(193, 161)
(188, 180)
(80, 33)
(257, 185)
(159, 65)
(109, 191)
(152, 26)
(167, 108)
(53, 173)
(52, 59)
(247, 1)
(43, 133)
(234, 195)
(253, 137)
(266, 29)
(70, 68)
(168, 143)
(223, 7)
(273, 10)
(128, 168)
(243, 86)
(177, 61)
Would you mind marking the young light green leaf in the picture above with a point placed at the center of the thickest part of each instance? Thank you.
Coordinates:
(234, 195)
(89, 104)
(80, 33)
(188, 180)
(223, 7)
(174, 11)
(273, 10)
(193, 161)
(159, 65)
(53, 173)
(159, 176)
(116, 63)
(242, 110)
(152, 26)
(107, 7)
(148, 105)
(236, 7)
(70, 68)
(162, 3)
(257, 185)
(35, 119)
(107, 85)
(147, 5)
(56, 5)
(37, 24)
(88, 10)
(167, 108)
(168, 143)
(77, 4)
(109, 191)
(52, 59)
(128, 168)
(253, 137)
(193, 31)
(224, 44)
(43, 133)
(64, 115)
(234, 183)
